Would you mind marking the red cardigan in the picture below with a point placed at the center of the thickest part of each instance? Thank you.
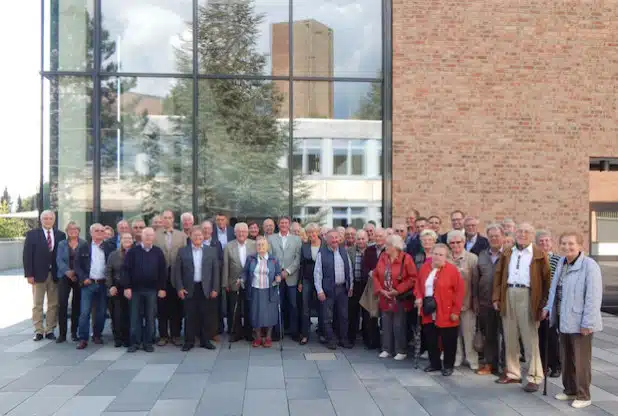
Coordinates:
(401, 285)
(448, 290)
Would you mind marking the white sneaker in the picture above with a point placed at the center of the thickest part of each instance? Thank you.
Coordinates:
(564, 397)
(401, 357)
(580, 404)
(384, 354)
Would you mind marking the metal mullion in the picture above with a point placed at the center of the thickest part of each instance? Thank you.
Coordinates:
(291, 109)
(42, 118)
(96, 107)
(387, 113)
(194, 140)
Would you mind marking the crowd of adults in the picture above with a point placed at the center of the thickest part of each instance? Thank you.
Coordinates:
(489, 302)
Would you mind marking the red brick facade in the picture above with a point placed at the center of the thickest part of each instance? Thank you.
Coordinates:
(498, 106)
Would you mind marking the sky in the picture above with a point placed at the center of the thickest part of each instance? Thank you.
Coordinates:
(148, 32)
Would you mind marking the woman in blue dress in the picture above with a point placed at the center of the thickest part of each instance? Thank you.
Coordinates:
(261, 278)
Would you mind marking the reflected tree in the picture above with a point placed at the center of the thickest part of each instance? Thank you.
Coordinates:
(370, 106)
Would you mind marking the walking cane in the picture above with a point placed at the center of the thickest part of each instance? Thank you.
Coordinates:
(229, 340)
(280, 321)
(546, 348)
(417, 340)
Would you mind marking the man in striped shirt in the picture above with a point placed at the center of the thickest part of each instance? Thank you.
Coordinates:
(544, 242)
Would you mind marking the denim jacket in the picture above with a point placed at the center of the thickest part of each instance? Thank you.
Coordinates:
(62, 257)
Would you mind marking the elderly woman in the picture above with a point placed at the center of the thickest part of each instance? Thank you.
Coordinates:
(574, 304)
(428, 239)
(466, 263)
(66, 256)
(254, 230)
(308, 254)
(113, 272)
(393, 281)
(439, 293)
(261, 279)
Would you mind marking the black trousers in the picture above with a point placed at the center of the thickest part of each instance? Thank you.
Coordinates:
(65, 286)
(235, 325)
(201, 316)
(169, 313)
(553, 347)
(120, 317)
(489, 321)
(354, 310)
(447, 337)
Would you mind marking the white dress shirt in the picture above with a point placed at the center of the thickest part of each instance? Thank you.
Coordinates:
(429, 282)
(519, 266)
(242, 253)
(97, 262)
(284, 239)
(197, 263)
(51, 235)
(222, 236)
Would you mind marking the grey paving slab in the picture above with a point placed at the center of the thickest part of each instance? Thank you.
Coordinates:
(265, 378)
(85, 406)
(77, 376)
(35, 379)
(107, 353)
(301, 407)
(300, 369)
(58, 391)
(306, 389)
(137, 397)
(135, 363)
(196, 364)
(488, 407)
(273, 401)
(10, 400)
(109, 383)
(167, 357)
(38, 406)
(609, 407)
(185, 386)
(336, 380)
(371, 370)
(353, 403)
(409, 378)
(124, 414)
(16, 368)
(222, 399)
(174, 407)
(155, 373)
(393, 399)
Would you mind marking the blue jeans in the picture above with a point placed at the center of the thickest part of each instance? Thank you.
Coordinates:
(96, 292)
(336, 302)
(143, 301)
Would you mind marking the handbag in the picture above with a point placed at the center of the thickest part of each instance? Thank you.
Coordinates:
(369, 301)
(429, 305)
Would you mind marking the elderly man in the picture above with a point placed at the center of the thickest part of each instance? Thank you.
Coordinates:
(370, 229)
(210, 241)
(224, 233)
(350, 237)
(286, 248)
(475, 242)
(156, 223)
(198, 280)
(295, 228)
(122, 227)
(145, 277)
(268, 226)
(333, 282)
(489, 319)
(187, 221)
(521, 287)
(359, 276)
(508, 225)
(137, 227)
(234, 258)
(40, 270)
(90, 270)
(552, 361)
(169, 308)
(412, 231)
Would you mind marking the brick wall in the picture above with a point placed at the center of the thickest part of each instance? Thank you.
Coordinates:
(498, 106)
(604, 186)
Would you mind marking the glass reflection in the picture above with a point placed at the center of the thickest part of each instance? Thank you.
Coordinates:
(68, 37)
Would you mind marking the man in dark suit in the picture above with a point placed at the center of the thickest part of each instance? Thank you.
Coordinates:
(457, 222)
(39, 259)
(211, 241)
(223, 234)
(475, 243)
(197, 276)
(90, 271)
(413, 246)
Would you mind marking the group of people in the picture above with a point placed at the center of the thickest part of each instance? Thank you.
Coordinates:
(383, 284)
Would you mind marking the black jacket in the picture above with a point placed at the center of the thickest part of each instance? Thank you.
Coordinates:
(84, 254)
(38, 260)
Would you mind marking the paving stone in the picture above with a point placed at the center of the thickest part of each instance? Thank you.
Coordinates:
(265, 378)
(185, 386)
(155, 373)
(306, 389)
(79, 376)
(321, 407)
(109, 383)
(395, 400)
(222, 399)
(320, 356)
(167, 357)
(196, 364)
(174, 407)
(371, 371)
(274, 402)
(300, 369)
(107, 354)
(39, 407)
(488, 407)
(125, 364)
(353, 403)
(409, 378)
(336, 380)
(58, 391)
(124, 414)
(9, 400)
(85, 406)
(35, 379)
(19, 367)
(137, 397)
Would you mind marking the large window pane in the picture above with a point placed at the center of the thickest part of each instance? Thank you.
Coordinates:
(243, 37)
(68, 101)
(243, 150)
(338, 38)
(146, 147)
(146, 36)
(68, 38)
(347, 187)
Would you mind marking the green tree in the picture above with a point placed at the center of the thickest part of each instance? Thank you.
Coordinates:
(10, 227)
(6, 198)
(20, 204)
(370, 107)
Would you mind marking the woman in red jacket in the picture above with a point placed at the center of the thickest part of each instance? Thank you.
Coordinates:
(393, 282)
(439, 296)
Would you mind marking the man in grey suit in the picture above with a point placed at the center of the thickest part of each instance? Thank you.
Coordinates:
(197, 279)
(234, 256)
(286, 248)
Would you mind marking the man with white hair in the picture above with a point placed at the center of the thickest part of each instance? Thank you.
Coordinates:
(187, 221)
(39, 259)
(475, 242)
(520, 290)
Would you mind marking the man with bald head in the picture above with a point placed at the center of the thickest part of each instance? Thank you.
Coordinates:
(520, 290)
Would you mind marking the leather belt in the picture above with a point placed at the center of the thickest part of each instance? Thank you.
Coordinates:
(517, 285)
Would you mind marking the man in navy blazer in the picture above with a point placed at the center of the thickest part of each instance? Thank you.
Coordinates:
(211, 241)
(223, 233)
(40, 269)
(475, 243)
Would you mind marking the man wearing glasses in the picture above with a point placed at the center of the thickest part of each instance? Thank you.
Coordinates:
(520, 289)
(137, 227)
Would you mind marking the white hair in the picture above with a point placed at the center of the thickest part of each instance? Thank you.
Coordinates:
(396, 241)
(454, 234)
(495, 226)
(186, 215)
(93, 226)
(429, 232)
(47, 212)
(241, 226)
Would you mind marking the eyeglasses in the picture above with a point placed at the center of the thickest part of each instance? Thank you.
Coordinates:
(400, 230)
(456, 242)
(138, 227)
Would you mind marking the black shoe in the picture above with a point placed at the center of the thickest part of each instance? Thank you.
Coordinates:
(346, 344)
(323, 339)
(430, 369)
(522, 359)
(187, 347)
(331, 346)
(148, 348)
(132, 348)
(61, 339)
(50, 336)
(555, 373)
(38, 337)
(447, 372)
(208, 345)
(74, 337)
(117, 343)
(126, 344)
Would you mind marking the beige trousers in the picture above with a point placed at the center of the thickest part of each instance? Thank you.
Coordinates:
(465, 342)
(518, 322)
(39, 290)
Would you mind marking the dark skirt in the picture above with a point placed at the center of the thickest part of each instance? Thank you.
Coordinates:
(262, 311)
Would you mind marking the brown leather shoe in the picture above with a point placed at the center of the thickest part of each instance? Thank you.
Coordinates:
(162, 342)
(484, 370)
(82, 345)
(507, 380)
(531, 388)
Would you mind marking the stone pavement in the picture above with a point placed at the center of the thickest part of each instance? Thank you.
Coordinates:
(43, 378)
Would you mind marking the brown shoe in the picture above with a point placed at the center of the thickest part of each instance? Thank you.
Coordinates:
(484, 370)
(507, 380)
(82, 345)
(531, 388)
(176, 341)
(162, 342)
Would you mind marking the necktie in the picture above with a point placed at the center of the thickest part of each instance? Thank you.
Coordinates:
(49, 241)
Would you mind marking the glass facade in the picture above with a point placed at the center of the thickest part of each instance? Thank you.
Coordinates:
(256, 108)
